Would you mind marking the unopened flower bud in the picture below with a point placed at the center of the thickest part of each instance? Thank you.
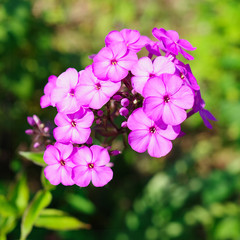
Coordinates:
(89, 141)
(124, 124)
(31, 121)
(36, 119)
(29, 132)
(124, 102)
(115, 153)
(117, 97)
(123, 111)
(134, 92)
(98, 121)
(100, 113)
(36, 144)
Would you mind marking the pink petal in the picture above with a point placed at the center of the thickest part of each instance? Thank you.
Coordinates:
(101, 176)
(153, 107)
(143, 67)
(139, 120)
(81, 175)
(68, 105)
(63, 134)
(169, 132)
(186, 45)
(130, 36)
(82, 156)
(58, 94)
(113, 37)
(109, 88)
(138, 140)
(183, 98)
(68, 79)
(186, 55)
(86, 121)
(51, 155)
(173, 115)
(64, 149)
(139, 83)
(45, 101)
(80, 135)
(62, 119)
(154, 87)
(118, 50)
(159, 146)
(117, 73)
(66, 176)
(98, 100)
(128, 60)
(173, 35)
(100, 155)
(163, 65)
(53, 173)
(172, 83)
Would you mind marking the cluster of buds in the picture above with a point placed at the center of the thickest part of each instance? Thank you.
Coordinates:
(150, 95)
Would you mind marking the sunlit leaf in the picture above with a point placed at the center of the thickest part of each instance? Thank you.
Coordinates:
(58, 220)
(35, 157)
(41, 200)
(6, 208)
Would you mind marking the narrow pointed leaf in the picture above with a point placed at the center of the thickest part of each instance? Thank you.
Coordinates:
(35, 157)
(54, 219)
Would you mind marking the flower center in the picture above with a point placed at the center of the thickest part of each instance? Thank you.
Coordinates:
(166, 98)
(152, 129)
(73, 123)
(62, 162)
(151, 75)
(72, 92)
(114, 62)
(91, 165)
(98, 86)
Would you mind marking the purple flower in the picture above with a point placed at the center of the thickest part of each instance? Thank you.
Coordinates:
(149, 135)
(131, 38)
(93, 92)
(45, 100)
(64, 94)
(172, 43)
(146, 69)
(74, 128)
(166, 98)
(113, 62)
(91, 166)
(199, 106)
(59, 169)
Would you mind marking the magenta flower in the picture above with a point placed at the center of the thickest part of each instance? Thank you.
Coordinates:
(74, 128)
(131, 38)
(64, 94)
(172, 43)
(93, 92)
(168, 100)
(199, 106)
(59, 169)
(146, 69)
(45, 100)
(149, 135)
(91, 166)
(113, 62)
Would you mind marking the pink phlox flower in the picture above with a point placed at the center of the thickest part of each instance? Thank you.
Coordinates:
(172, 43)
(149, 135)
(59, 169)
(131, 38)
(64, 94)
(167, 97)
(145, 69)
(113, 62)
(199, 106)
(91, 166)
(93, 92)
(154, 48)
(74, 128)
(185, 73)
(45, 100)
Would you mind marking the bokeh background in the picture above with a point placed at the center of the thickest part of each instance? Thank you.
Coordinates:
(194, 192)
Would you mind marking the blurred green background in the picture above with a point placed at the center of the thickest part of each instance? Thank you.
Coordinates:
(194, 192)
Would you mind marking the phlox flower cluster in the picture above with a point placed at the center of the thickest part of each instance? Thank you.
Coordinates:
(152, 96)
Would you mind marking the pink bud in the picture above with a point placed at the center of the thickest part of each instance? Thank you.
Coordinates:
(89, 141)
(98, 121)
(31, 121)
(117, 97)
(36, 144)
(115, 153)
(100, 113)
(124, 124)
(123, 111)
(29, 132)
(124, 102)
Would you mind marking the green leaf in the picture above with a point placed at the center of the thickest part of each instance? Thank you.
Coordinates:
(19, 195)
(80, 203)
(6, 208)
(41, 200)
(7, 224)
(35, 157)
(54, 219)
